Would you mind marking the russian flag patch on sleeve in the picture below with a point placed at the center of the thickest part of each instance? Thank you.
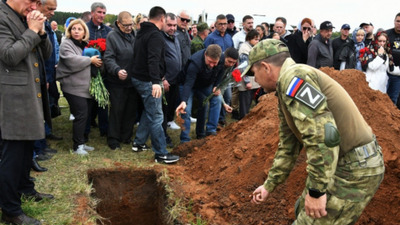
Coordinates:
(294, 86)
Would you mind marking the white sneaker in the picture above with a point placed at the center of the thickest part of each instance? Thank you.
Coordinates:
(173, 125)
(193, 120)
(81, 150)
(88, 148)
(71, 117)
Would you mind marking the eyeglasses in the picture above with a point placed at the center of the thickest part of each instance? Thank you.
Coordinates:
(306, 28)
(212, 27)
(231, 21)
(127, 25)
(221, 24)
(185, 20)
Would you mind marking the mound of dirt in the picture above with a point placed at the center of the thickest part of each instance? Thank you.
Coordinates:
(216, 175)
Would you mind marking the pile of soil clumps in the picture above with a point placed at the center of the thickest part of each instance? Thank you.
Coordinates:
(216, 175)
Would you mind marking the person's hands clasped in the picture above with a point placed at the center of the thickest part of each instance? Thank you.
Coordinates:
(122, 74)
(96, 61)
(35, 20)
(156, 92)
(315, 207)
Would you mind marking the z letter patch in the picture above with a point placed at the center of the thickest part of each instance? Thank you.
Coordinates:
(309, 95)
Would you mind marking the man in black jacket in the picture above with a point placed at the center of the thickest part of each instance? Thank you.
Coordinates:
(173, 58)
(200, 78)
(148, 69)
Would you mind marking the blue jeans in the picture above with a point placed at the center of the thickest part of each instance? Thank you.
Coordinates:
(213, 115)
(393, 89)
(151, 119)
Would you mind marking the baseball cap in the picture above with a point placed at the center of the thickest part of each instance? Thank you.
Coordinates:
(202, 27)
(326, 25)
(345, 26)
(363, 24)
(230, 17)
(263, 50)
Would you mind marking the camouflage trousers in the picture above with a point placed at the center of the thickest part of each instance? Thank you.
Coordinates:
(349, 192)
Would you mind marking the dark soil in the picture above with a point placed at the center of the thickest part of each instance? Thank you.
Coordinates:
(129, 196)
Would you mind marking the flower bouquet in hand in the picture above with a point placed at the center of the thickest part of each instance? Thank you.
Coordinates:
(232, 77)
(97, 88)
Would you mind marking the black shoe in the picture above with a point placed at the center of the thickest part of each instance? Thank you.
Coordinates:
(22, 219)
(43, 157)
(32, 179)
(168, 158)
(115, 147)
(53, 137)
(211, 133)
(36, 167)
(37, 197)
(50, 150)
(139, 148)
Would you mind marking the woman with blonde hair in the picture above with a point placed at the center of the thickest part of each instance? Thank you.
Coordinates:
(73, 73)
(139, 18)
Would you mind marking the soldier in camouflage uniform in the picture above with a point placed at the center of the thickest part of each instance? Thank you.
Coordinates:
(198, 41)
(345, 164)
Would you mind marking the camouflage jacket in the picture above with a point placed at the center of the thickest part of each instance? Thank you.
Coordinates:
(196, 45)
(310, 106)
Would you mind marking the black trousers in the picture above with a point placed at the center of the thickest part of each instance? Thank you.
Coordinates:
(172, 96)
(123, 107)
(15, 166)
(80, 107)
(245, 99)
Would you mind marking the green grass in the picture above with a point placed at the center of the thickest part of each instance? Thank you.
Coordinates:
(67, 177)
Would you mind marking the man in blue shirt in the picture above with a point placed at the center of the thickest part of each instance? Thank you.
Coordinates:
(219, 36)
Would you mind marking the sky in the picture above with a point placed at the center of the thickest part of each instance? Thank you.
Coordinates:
(380, 13)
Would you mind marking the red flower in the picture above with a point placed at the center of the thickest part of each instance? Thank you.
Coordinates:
(236, 75)
(99, 44)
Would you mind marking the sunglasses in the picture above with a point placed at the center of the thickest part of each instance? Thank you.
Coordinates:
(306, 28)
(183, 20)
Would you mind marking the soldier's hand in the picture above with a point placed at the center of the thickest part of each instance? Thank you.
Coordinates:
(315, 207)
(259, 195)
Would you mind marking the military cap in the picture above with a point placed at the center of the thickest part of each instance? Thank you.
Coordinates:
(265, 49)
(202, 27)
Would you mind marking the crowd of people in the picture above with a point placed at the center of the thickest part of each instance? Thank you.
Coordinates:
(155, 68)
